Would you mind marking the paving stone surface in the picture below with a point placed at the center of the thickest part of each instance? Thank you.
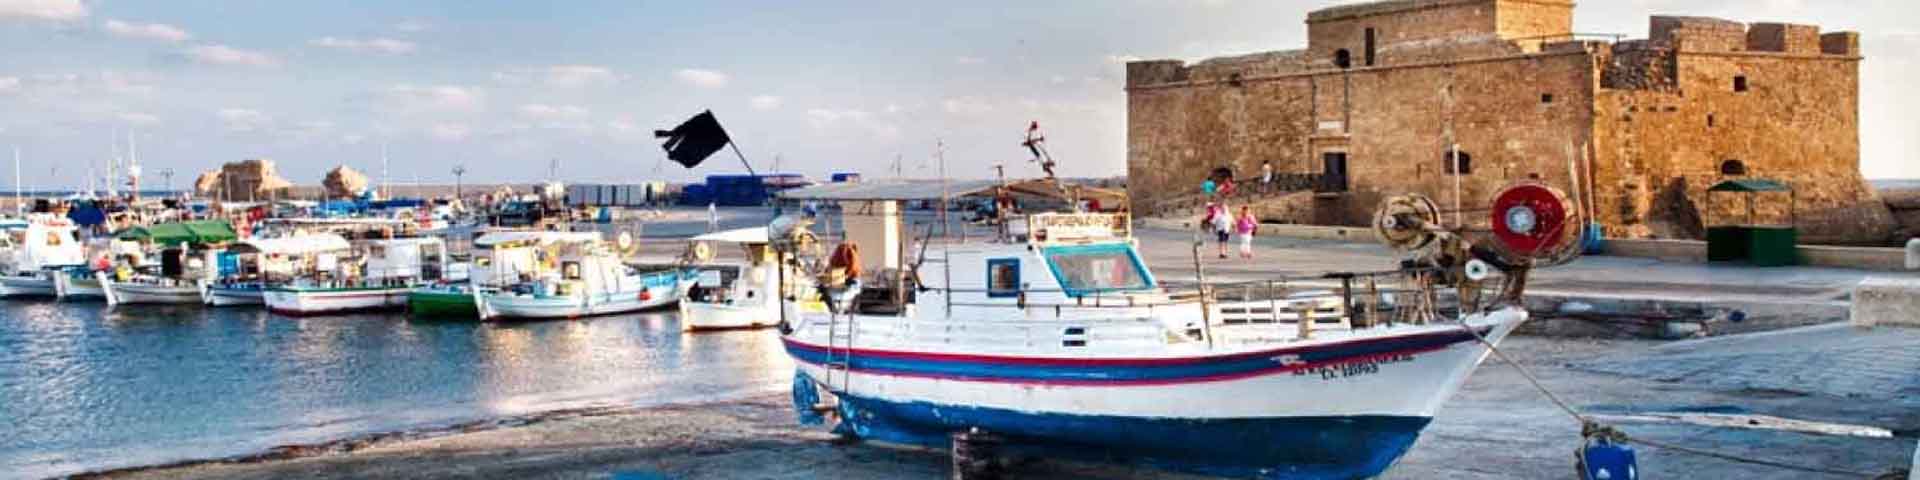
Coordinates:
(1879, 364)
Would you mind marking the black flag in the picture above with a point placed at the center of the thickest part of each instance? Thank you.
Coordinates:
(694, 140)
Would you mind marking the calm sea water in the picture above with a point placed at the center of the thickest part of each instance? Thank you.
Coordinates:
(85, 387)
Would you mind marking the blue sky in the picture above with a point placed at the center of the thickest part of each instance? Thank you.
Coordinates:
(505, 88)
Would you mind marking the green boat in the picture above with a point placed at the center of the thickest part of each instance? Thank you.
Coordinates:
(443, 301)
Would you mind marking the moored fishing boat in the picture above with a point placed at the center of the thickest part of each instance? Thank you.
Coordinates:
(733, 296)
(582, 279)
(376, 276)
(498, 258)
(1056, 336)
(180, 275)
(243, 270)
(45, 242)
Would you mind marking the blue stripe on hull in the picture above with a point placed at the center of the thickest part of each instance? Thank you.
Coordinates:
(1275, 448)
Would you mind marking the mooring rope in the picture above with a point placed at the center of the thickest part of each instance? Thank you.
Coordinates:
(1590, 428)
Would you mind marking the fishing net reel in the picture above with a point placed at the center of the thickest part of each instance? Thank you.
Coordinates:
(1533, 225)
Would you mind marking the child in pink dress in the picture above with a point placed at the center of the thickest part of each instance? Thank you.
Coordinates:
(1245, 226)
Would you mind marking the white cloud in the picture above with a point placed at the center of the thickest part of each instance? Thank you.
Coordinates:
(765, 102)
(225, 55)
(243, 120)
(827, 118)
(449, 132)
(147, 31)
(966, 106)
(9, 84)
(559, 76)
(43, 9)
(406, 98)
(372, 45)
(1121, 58)
(539, 111)
(137, 118)
(966, 60)
(701, 78)
(412, 26)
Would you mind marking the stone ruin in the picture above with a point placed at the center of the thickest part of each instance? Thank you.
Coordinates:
(345, 182)
(246, 180)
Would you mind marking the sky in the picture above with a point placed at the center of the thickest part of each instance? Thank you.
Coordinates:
(517, 91)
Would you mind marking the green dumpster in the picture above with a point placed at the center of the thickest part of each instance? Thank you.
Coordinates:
(1754, 240)
(1727, 244)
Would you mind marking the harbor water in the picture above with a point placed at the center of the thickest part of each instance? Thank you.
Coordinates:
(86, 387)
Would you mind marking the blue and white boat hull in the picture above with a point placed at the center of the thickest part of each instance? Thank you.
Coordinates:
(1344, 406)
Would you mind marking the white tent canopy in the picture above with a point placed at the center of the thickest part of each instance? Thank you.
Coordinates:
(296, 245)
(538, 237)
(743, 235)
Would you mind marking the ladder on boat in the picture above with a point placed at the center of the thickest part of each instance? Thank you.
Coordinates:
(839, 352)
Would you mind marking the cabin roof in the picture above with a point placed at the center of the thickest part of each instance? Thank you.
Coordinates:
(302, 244)
(742, 235)
(889, 189)
(496, 238)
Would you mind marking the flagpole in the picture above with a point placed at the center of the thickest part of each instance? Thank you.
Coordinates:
(743, 158)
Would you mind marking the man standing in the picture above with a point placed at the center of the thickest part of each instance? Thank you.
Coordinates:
(1266, 176)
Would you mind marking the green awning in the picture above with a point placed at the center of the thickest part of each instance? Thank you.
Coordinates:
(195, 232)
(1750, 185)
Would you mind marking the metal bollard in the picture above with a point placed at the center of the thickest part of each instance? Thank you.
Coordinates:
(1913, 254)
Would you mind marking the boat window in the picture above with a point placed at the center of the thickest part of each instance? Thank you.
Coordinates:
(1098, 268)
(1003, 277)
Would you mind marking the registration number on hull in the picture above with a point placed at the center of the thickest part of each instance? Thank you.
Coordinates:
(1366, 366)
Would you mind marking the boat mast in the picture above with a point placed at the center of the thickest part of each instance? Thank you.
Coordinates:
(113, 168)
(19, 202)
(940, 154)
(133, 167)
(383, 171)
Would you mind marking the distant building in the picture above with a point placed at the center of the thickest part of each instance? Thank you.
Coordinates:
(1384, 90)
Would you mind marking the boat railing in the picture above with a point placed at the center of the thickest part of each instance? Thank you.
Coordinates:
(1298, 304)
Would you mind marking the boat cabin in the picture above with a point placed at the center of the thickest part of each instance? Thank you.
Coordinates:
(45, 241)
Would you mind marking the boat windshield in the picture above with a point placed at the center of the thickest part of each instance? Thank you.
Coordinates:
(1090, 269)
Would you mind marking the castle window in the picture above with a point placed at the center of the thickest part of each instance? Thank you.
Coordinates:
(1343, 58)
(1370, 45)
(1739, 83)
(1733, 167)
(1709, 120)
(1461, 166)
(1546, 98)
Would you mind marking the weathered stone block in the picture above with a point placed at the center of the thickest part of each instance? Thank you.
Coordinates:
(1887, 301)
(1840, 43)
(1784, 38)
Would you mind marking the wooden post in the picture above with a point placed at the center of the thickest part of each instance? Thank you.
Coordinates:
(1206, 307)
(1306, 322)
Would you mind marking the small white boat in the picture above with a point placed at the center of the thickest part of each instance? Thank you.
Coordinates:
(583, 279)
(78, 284)
(737, 296)
(234, 293)
(376, 276)
(45, 242)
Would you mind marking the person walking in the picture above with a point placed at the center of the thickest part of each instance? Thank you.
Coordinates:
(1219, 222)
(1246, 226)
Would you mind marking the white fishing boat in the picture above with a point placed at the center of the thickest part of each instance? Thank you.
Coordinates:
(241, 272)
(499, 259)
(376, 276)
(736, 295)
(46, 242)
(180, 275)
(1057, 336)
(582, 279)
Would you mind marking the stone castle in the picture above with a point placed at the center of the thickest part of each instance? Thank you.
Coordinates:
(1386, 92)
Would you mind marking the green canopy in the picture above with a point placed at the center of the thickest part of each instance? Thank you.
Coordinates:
(196, 232)
(1750, 185)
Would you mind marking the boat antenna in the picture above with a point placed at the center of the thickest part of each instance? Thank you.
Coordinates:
(940, 155)
(113, 166)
